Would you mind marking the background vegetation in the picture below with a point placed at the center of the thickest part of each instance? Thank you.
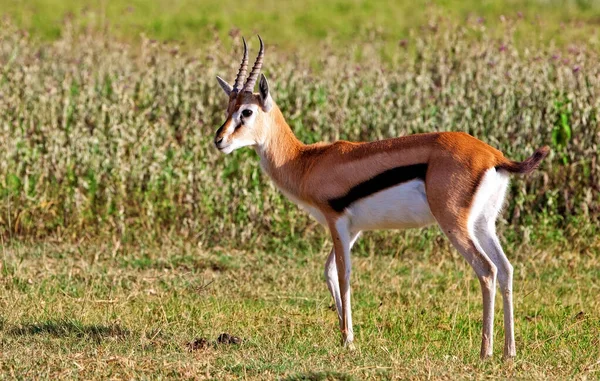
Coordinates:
(299, 26)
(125, 234)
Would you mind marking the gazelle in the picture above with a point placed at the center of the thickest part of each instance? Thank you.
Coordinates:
(450, 178)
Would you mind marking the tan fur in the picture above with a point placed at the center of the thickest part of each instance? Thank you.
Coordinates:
(318, 172)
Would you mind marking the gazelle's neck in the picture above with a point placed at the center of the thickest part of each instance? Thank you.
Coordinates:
(281, 153)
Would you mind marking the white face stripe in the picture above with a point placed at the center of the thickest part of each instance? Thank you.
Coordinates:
(248, 137)
(236, 117)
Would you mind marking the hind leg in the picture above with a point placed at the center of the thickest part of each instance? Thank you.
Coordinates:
(456, 209)
(485, 231)
(486, 272)
(491, 245)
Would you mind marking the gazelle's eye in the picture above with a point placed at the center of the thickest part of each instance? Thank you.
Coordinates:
(246, 113)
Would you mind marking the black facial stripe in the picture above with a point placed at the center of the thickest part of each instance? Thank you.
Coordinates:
(220, 130)
(384, 180)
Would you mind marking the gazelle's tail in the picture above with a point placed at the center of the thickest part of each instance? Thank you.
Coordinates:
(526, 166)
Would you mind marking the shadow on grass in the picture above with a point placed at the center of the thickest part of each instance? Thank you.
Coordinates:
(319, 376)
(69, 328)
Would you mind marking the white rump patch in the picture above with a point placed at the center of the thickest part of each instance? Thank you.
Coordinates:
(488, 200)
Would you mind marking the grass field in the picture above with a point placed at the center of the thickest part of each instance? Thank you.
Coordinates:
(104, 311)
(124, 235)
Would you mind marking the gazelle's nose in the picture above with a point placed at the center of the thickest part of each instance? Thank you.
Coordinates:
(218, 141)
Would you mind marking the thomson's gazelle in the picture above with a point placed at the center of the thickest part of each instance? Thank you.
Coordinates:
(449, 177)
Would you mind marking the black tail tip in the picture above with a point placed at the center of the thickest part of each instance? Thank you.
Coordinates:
(528, 164)
(542, 151)
(534, 161)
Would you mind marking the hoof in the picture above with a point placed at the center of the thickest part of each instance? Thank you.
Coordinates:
(485, 356)
(509, 357)
(486, 351)
(347, 342)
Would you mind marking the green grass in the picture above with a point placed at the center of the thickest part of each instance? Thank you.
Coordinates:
(99, 310)
(294, 24)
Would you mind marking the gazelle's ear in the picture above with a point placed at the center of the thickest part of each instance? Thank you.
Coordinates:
(224, 85)
(265, 98)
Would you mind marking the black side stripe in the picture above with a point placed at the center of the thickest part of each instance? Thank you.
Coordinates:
(382, 181)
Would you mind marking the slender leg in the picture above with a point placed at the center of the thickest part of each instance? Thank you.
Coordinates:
(485, 231)
(491, 245)
(458, 221)
(486, 273)
(331, 278)
(342, 239)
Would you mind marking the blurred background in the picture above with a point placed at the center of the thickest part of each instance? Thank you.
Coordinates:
(108, 108)
(303, 23)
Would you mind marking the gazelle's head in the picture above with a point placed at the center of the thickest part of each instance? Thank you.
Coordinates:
(246, 111)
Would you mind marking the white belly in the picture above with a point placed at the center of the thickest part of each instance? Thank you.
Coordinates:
(314, 212)
(400, 207)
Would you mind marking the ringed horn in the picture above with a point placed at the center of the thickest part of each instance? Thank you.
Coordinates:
(249, 86)
(239, 80)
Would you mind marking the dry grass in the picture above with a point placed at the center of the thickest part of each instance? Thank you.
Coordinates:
(102, 311)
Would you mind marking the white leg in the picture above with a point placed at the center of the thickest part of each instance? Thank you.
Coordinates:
(485, 231)
(461, 227)
(342, 239)
(491, 245)
(331, 278)
(486, 273)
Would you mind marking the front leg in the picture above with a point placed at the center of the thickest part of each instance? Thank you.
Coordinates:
(331, 277)
(342, 239)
